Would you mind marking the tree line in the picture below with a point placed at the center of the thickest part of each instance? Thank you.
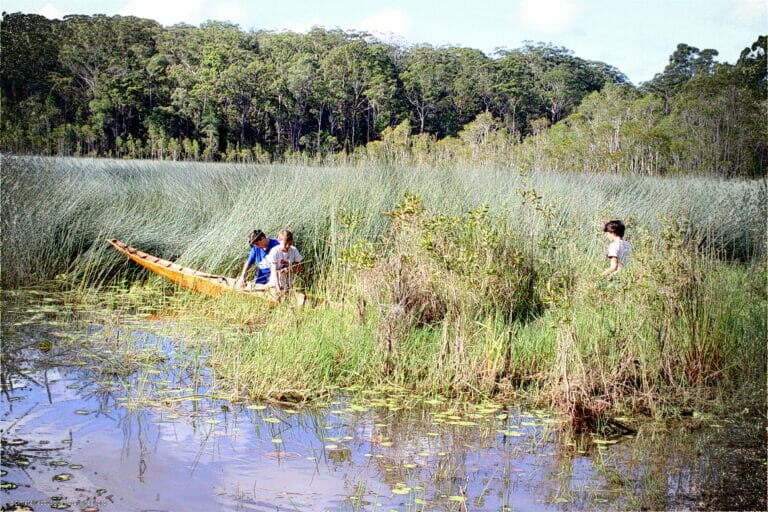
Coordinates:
(127, 87)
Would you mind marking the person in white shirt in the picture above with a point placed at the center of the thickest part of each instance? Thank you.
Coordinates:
(284, 260)
(619, 249)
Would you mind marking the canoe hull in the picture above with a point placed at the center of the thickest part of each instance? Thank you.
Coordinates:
(207, 284)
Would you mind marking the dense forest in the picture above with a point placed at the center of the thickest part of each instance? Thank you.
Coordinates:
(128, 87)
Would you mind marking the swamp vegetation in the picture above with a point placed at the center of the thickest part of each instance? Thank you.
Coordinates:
(461, 283)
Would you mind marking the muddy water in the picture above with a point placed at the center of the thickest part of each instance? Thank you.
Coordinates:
(134, 425)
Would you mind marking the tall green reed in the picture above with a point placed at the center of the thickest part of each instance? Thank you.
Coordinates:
(57, 211)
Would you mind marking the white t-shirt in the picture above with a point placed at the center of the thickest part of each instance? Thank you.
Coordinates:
(282, 259)
(620, 249)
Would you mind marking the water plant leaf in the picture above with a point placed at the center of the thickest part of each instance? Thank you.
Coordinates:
(457, 498)
(62, 477)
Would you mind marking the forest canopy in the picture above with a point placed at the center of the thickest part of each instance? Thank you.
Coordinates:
(127, 87)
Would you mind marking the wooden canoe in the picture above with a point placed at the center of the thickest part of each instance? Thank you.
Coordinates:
(208, 284)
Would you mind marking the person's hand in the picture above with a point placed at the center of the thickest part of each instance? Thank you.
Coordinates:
(240, 283)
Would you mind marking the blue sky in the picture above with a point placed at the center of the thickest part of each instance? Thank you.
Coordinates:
(636, 36)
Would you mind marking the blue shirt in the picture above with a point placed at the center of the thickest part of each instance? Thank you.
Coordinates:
(257, 256)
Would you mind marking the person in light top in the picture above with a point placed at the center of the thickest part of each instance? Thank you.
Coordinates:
(284, 261)
(619, 250)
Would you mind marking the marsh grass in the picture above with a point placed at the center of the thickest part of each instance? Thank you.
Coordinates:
(469, 283)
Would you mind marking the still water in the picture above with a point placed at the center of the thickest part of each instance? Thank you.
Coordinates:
(133, 423)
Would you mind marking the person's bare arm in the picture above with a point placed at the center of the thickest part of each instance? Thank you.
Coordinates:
(613, 266)
(241, 278)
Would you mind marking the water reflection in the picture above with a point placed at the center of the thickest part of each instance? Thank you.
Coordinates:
(137, 425)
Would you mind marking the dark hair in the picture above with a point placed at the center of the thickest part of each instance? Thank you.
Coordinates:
(616, 227)
(255, 236)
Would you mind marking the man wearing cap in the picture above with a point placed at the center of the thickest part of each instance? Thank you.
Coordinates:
(260, 246)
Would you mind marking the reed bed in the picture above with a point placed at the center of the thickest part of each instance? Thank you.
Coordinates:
(453, 281)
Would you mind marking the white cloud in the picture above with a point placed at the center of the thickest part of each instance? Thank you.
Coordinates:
(549, 16)
(387, 22)
(168, 12)
(750, 10)
(50, 11)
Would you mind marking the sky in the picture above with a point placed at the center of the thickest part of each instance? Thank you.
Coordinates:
(635, 36)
